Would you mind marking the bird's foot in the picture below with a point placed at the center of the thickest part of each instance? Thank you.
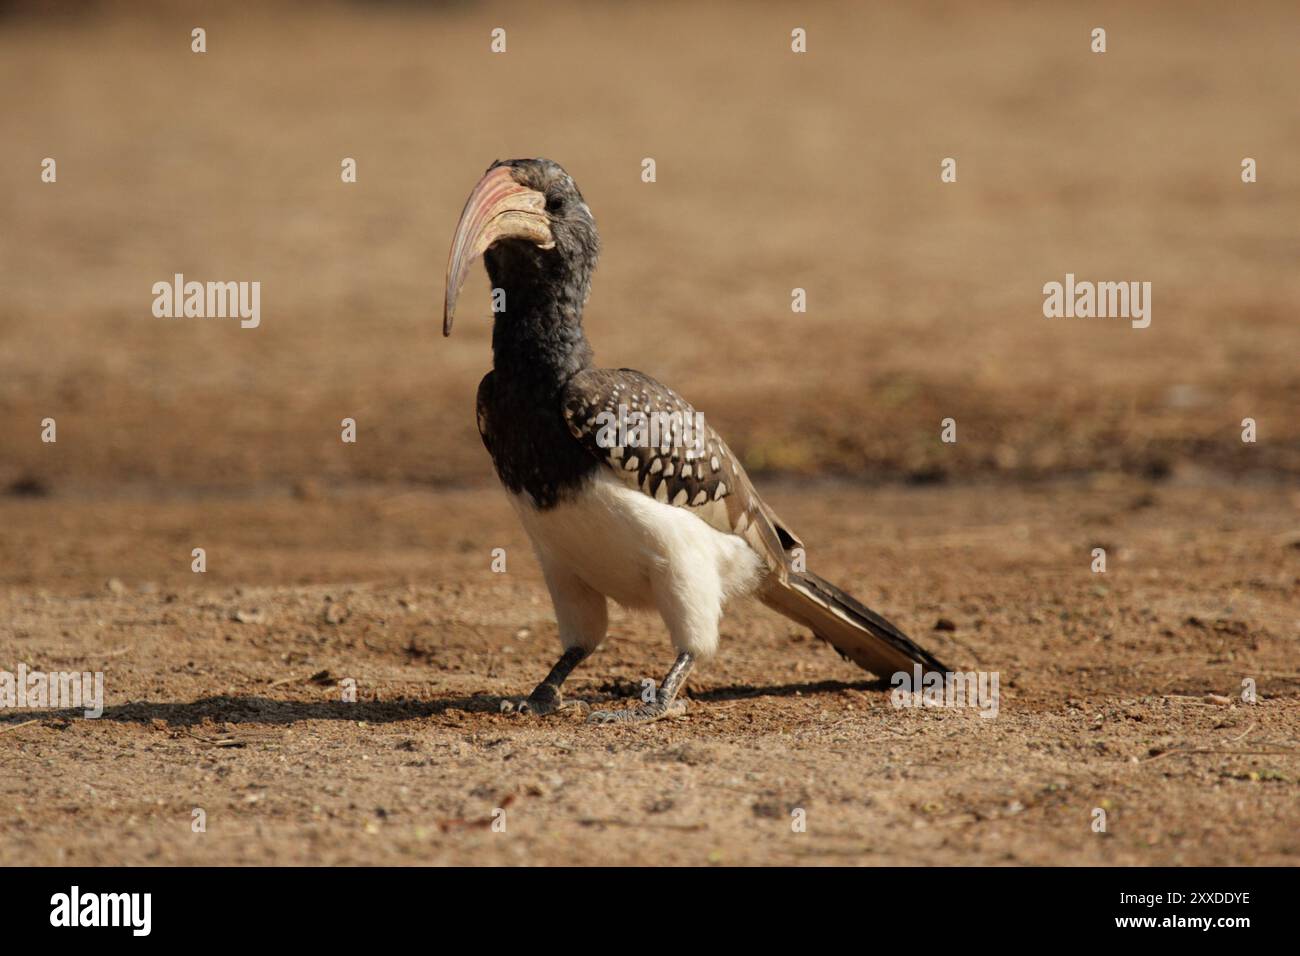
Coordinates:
(546, 699)
(637, 715)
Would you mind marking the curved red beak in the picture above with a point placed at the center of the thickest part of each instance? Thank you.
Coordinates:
(498, 208)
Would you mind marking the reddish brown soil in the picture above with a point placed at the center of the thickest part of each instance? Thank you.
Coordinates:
(1104, 684)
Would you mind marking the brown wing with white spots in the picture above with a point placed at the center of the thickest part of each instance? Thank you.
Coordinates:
(656, 442)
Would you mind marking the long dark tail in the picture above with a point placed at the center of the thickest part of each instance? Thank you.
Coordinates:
(852, 628)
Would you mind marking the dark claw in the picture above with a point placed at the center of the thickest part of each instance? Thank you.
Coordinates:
(637, 715)
(546, 699)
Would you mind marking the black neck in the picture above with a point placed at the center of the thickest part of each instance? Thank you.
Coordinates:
(537, 341)
(537, 347)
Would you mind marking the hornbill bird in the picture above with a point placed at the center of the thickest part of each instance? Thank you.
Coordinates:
(667, 522)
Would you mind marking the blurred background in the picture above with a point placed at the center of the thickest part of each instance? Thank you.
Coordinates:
(775, 171)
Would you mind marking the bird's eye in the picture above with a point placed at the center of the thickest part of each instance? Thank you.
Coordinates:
(554, 202)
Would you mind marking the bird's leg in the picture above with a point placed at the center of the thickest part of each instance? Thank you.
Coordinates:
(546, 697)
(665, 701)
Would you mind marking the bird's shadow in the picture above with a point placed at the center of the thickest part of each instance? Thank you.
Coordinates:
(746, 691)
(252, 709)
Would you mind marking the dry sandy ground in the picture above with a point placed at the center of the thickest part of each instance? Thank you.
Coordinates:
(370, 562)
(1103, 677)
